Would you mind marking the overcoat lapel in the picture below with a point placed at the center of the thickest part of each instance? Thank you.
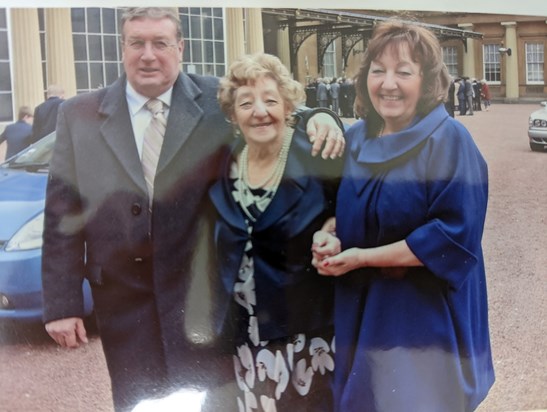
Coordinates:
(117, 131)
(184, 116)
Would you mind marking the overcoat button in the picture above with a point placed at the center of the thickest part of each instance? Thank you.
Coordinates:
(136, 209)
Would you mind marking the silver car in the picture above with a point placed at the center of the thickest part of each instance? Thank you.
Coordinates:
(537, 129)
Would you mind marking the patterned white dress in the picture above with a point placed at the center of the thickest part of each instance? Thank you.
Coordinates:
(287, 374)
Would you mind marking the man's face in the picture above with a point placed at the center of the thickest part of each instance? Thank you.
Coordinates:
(151, 55)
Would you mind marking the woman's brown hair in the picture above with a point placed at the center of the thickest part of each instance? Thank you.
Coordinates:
(424, 49)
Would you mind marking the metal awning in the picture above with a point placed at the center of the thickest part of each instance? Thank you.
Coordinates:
(328, 25)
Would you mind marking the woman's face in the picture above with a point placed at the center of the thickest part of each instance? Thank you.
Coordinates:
(260, 111)
(394, 85)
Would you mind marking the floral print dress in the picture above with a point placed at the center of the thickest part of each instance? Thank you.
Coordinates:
(287, 374)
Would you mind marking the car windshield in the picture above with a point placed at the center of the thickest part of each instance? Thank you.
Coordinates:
(36, 156)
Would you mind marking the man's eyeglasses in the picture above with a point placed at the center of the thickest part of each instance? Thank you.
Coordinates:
(158, 46)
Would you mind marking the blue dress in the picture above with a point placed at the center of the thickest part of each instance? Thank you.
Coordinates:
(420, 343)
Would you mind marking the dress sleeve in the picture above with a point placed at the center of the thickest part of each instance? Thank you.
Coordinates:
(449, 243)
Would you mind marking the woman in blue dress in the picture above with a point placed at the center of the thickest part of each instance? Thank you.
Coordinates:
(411, 317)
(272, 197)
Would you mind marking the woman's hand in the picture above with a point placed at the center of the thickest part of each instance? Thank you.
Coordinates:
(325, 244)
(342, 263)
(324, 132)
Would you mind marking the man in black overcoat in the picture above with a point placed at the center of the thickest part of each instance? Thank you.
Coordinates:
(147, 258)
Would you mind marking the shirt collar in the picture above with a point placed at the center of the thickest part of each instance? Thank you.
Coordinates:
(136, 101)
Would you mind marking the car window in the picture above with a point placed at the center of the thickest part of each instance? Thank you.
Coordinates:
(37, 154)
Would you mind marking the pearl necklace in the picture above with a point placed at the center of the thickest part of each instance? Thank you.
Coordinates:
(245, 188)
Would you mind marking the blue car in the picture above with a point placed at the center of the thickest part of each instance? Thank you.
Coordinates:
(23, 180)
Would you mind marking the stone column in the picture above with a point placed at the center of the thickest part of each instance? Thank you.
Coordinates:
(28, 83)
(235, 40)
(60, 49)
(511, 62)
(283, 47)
(469, 68)
(255, 31)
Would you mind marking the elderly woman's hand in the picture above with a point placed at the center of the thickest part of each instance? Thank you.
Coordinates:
(325, 244)
(324, 132)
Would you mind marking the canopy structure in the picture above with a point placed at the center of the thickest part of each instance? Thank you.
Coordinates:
(329, 25)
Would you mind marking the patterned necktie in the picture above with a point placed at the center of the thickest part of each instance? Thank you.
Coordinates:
(153, 139)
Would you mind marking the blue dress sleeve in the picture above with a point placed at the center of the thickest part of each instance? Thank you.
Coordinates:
(449, 243)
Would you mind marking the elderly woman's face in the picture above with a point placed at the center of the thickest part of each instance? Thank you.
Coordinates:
(260, 111)
(394, 85)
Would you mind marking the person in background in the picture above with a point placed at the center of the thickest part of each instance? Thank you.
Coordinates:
(311, 99)
(45, 114)
(477, 96)
(334, 93)
(462, 100)
(411, 314)
(271, 198)
(18, 135)
(486, 95)
(322, 94)
(126, 208)
(449, 103)
(469, 95)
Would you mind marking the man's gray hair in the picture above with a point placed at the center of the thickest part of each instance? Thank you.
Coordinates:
(156, 13)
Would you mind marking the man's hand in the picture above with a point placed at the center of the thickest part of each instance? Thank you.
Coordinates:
(324, 132)
(68, 332)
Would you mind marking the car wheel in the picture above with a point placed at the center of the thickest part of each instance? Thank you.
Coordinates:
(536, 147)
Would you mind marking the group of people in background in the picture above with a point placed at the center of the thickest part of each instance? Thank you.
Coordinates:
(348, 281)
(31, 126)
(471, 94)
(337, 94)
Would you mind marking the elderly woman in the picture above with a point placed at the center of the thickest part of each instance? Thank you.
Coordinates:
(411, 317)
(272, 197)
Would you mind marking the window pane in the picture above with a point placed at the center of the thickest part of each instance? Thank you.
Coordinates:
(41, 24)
(218, 28)
(186, 54)
(5, 77)
(96, 75)
(4, 51)
(111, 72)
(80, 47)
(185, 23)
(208, 28)
(219, 52)
(95, 48)
(3, 21)
(109, 21)
(110, 50)
(82, 81)
(208, 48)
(78, 20)
(195, 27)
(6, 107)
(93, 20)
(196, 51)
